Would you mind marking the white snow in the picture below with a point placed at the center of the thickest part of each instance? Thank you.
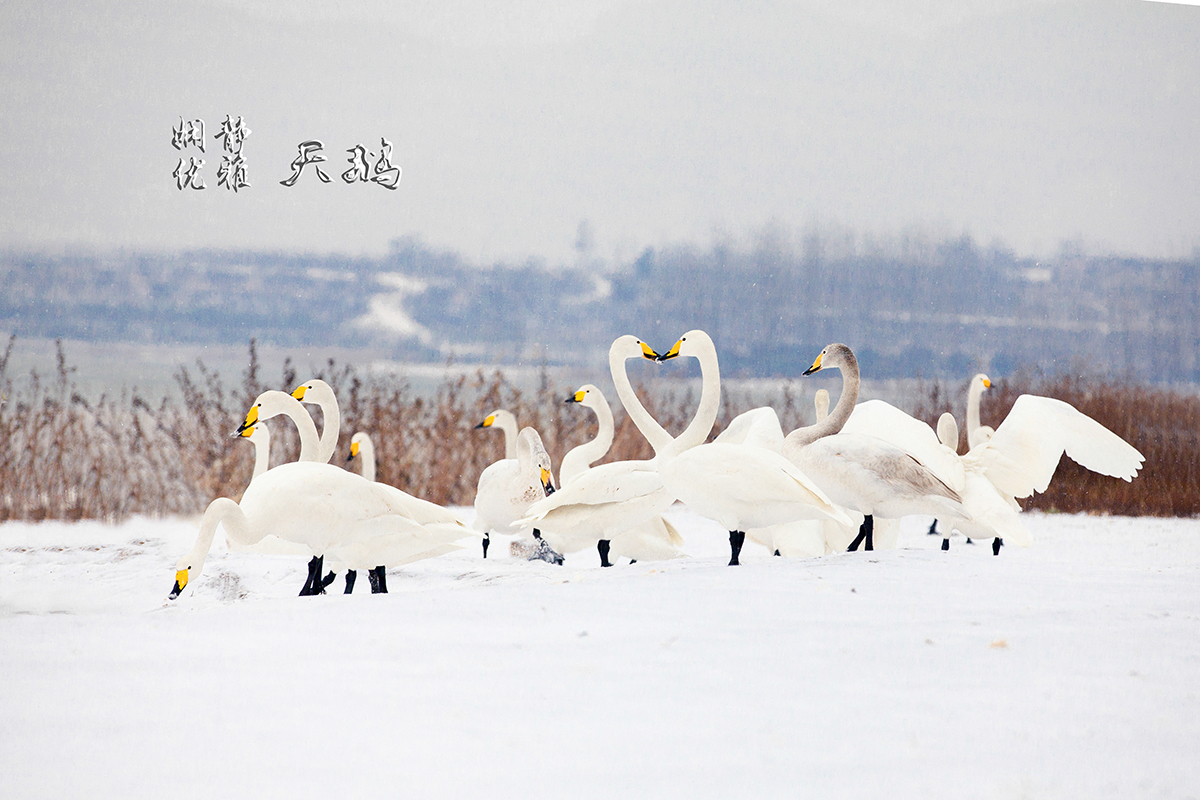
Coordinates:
(1065, 670)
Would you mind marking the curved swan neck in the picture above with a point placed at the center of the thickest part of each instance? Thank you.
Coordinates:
(506, 422)
(262, 450)
(848, 366)
(274, 403)
(220, 511)
(701, 425)
(366, 454)
(654, 433)
(330, 428)
(578, 459)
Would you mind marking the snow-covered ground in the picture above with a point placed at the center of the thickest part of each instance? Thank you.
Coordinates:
(1067, 670)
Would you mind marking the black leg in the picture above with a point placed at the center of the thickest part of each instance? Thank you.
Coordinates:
(351, 577)
(862, 534)
(314, 585)
(997, 543)
(933, 527)
(945, 544)
(869, 522)
(378, 578)
(777, 552)
(487, 539)
(736, 540)
(329, 578)
(603, 546)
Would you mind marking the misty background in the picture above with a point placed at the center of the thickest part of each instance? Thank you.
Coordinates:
(946, 186)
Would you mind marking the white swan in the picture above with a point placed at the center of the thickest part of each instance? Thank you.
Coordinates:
(275, 403)
(739, 486)
(489, 509)
(325, 508)
(608, 500)
(861, 472)
(655, 539)
(320, 393)
(260, 437)
(509, 487)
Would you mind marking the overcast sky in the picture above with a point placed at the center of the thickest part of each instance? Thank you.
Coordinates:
(1025, 122)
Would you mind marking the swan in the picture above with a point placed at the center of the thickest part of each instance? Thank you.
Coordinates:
(327, 509)
(739, 486)
(653, 540)
(609, 499)
(976, 433)
(507, 423)
(509, 487)
(274, 403)
(1017, 460)
(860, 472)
(362, 448)
(320, 393)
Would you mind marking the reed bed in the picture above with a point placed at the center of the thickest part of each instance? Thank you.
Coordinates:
(65, 457)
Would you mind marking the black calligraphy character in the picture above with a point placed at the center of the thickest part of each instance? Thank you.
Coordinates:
(310, 153)
(187, 134)
(359, 169)
(386, 175)
(188, 177)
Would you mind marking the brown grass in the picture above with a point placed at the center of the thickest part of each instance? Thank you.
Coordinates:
(62, 457)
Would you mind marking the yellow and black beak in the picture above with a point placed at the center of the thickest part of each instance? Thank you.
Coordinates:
(353, 452)
(547, 482)
(250, 421)
(181, 581)
(816, 366)
(299, 392)
(487, 423)
(577, 397)
(987, 383)
(649, 353)
(672, 353)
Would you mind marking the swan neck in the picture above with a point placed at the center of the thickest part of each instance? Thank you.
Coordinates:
(583, 456)
(701, 425)
(262, 452)
(654, 433)
(330, 429)
(366, 451)
(974, 394)
(220, 511)
(508, 424)
(837, 418)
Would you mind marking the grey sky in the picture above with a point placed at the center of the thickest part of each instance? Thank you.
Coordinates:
(658, 122)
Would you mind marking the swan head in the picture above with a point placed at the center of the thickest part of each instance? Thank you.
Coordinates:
(357, 442)
(692, 343)
(531, 451)
(500, 418)
(834, 355)
(314, 391)
(585, 395)
(629, 346)
(983, 381)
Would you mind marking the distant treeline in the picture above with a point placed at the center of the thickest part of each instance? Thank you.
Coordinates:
(910, 305)
(65, 457)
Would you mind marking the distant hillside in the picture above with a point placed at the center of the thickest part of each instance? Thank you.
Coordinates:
(908, 306)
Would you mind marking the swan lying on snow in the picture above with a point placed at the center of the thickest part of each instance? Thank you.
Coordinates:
(860, 472)
(653, 540)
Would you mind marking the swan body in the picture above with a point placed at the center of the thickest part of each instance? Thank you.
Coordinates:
(862, 472)
(656, 539)
(326, 509)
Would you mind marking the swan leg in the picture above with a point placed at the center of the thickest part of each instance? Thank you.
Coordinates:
(933, 528)
(487, 539)
(776, 552)
(603, 546)
(736, 540)
(378, 578)
(997, 543)
(314, 584)
(946, 543)
(329, 578)
(351, 576)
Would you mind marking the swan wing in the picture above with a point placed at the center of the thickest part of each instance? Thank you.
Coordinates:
(758, 427)
(888, 423)
(616, 482)
(1023, 454)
